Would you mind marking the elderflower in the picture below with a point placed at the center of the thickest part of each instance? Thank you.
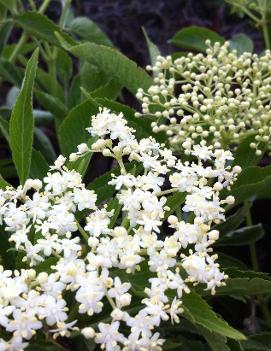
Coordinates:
(85, 255)
(217, 96)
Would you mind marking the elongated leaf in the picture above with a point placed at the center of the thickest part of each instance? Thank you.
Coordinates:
(9, 4)
(114, 64)
(43, 28)
(152, 48)
(194, 38)
(39, 166)
(52, 104)
(198, 311)
(253, 183)
(232, 222)
(86, 29)
(258, 342)
(245, 286)
(3, 183)
(215, 341)
(242, 236)
(10, 73)
(72, 130)
(43, 144)
(21, 124)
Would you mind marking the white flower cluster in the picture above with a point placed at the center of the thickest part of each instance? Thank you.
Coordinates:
(218, 96)
(55, 223)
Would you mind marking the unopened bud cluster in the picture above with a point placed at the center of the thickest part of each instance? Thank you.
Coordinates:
(217, 96)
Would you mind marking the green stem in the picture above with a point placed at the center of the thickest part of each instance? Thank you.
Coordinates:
(18, 47)
(82, 232)
(266, 35)
(252, 247)
(44, 6)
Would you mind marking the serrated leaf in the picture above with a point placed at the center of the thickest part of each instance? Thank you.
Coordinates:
(21, 123)
(88, 30)
(114, 64)
(198, 311)
(42, 27)
(194, 38)
(242, 236)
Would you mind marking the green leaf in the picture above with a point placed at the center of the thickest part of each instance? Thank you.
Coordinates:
(4, 127)
(81, 165)
(232, 222)
(174, 202)
(229, 261)
(258, 342)
(245, 286)
(114, 64)
(215, 341)
(11, 5)
(245, 156)
(63, 65)
(3, 183)
(72, 130)
(21, 124)
(235, 345)
(198, 311)
(194, 38)
(92, 77)
(110, 90)
(242, 236)
(242, 43)
(10, 73)
(5, 30)
(152, 48)
(39, 166)
(88, 30)
(52, 104)
(42, 27)
(253, 183)
(44, 145)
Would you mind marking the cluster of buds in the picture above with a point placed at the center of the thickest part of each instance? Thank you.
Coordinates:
(217, 96)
